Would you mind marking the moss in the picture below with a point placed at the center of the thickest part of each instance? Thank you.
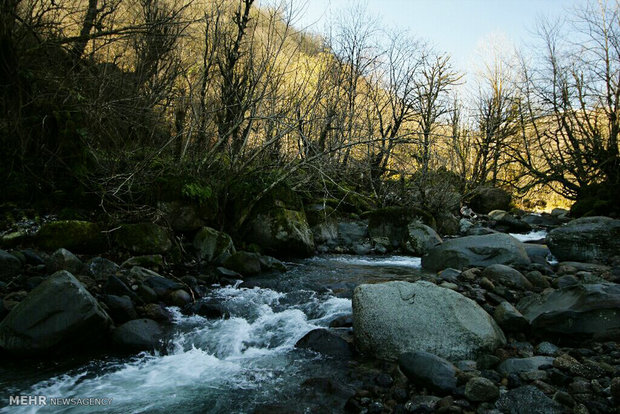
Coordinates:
(143, 238)
(73, 235)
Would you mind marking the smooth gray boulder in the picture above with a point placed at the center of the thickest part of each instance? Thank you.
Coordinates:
(589, 310)
(480, 251)
(9, 265)
(59, 314)
(63, 259)
(213, 246)
(509, 318)
(396, 317)
(428, 370)
(587, 239)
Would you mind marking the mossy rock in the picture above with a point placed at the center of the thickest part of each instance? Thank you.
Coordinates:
(213, 246)
(281, 232)
(318, 214)
(74, 235)
(143, 238)
(399, 216)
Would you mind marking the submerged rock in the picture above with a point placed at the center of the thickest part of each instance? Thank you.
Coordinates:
(479, 251)
(396, 317)
(588, 239)
(589, 310)
(59, 314)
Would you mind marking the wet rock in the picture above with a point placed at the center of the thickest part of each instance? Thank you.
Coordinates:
(527, 400)
(508, 223)
(268, 264)
(587, 310)
(120, 308)
(428, 370)
(10, 266)
(162, 286)
(517, 365)
(507, 276)
(155, 311)
(396, 317)
(100, 269)
(143, 238)
(246, 263)
(509, 318)
(476, 251)
(547, 348)
(420, 239)
(137, 335)
(213, 246)
(326, 342)
(537, 253)
(587, 239)
(179, 297)
(206, 310)
(481, 389)
(59, 314)
(76, 235)
(344, 321)
(63, 259)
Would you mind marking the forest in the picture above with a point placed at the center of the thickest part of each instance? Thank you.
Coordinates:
(114, 104)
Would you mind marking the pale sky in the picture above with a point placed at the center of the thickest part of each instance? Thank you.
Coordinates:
(458, 27)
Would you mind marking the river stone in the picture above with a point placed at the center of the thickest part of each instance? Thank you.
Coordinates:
(100, 269)
(246, 263)
(326, 342)
(58, 314)
(589, 310)
(517, 365)
(63, 259)
(527, 400)
(486, 199)
(509, 318)
(137, 335)
(143, 238)
(428, 370)
(506, 222)
(507, 276)
(480, 389)
(420, 238)
(281, 232)
(472, 251)
(120, 308)
(537, 253)
(213, 246)
(76, 235)
(9, 266)
(396, 317)
(587, 239)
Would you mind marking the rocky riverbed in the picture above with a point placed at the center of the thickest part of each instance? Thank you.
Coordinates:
(414, 321)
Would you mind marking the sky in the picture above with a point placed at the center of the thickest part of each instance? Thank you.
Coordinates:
(458, 27)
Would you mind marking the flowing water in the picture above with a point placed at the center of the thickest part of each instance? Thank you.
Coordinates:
(232, 365)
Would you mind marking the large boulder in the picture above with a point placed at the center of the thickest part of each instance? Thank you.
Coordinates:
(486, 199)
(246, 263)
(508, 223)
(75, 235)
(586, 239)
(396, 317)
(213, 246)
(420, 238)
(588, 310)
(143, 238)
(63, 259)
(392, 223)
(282, 232)
(10, 266)
(59, 314)
(479, 251)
